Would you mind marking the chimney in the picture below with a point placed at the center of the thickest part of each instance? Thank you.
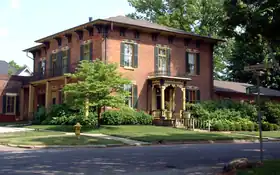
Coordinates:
(89, 19)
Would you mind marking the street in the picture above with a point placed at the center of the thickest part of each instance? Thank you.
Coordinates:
(172, 159)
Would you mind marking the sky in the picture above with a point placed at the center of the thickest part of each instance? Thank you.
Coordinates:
(24, 21)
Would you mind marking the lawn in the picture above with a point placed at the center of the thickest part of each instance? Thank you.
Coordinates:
(269, 167)
(273, 134)
(50, 138)
(149, 133)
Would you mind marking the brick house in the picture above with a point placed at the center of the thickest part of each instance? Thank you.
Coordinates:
(237, 91)
(11, 81)
(167, 66)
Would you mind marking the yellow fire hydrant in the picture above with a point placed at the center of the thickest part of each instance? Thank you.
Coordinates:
(78, 129)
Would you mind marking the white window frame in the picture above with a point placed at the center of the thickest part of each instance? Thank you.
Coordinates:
(9, 95)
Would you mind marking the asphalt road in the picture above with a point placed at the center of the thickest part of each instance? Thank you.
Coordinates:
(174, 159)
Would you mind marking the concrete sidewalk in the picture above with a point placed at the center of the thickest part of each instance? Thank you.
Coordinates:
(7, 129)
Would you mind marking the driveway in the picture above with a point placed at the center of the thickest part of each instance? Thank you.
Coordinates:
(6, 129)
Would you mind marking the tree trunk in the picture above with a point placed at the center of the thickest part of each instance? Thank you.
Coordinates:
(98, 117)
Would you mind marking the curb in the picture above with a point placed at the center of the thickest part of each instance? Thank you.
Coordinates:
(136, 144)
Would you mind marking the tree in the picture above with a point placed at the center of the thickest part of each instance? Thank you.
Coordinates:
(203, 17)
(13, 66)
(254, 25)
(98, 85)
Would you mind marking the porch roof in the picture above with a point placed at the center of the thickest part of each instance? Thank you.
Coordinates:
(168, 75)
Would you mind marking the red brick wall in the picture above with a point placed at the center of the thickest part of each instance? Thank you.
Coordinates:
(146, 62)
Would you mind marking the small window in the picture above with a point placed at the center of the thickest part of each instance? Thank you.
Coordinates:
(86, 52)
(54, 101)
(136, 35)
(11, 104)
(128, 54)
(170, 40)
(128, 88)
(154, 37)
(122, 32)
(192, 63)
(193, 96)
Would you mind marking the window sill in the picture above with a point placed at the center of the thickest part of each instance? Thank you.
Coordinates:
(10, 114)
(128, 68)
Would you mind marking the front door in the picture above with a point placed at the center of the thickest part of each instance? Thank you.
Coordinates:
(41, 100)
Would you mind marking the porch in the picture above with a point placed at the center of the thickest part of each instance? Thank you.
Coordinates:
(168, 99)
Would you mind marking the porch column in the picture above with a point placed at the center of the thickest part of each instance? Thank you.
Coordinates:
(152, 100)
(184, 98)
(21, 103)
(30, 101)
(174, 99)
(162, 88)
(47, 95)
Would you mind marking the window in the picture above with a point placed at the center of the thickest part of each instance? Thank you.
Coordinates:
(53, 58)
(122, 32)
(43, 67)
(193, 96)
(64, 61)
(154, 37)
(132, 99)
(162, 60)
(136, 35)
(86, 55)
(129, 98)
(191, 63)
(10, 104)
(128, 55)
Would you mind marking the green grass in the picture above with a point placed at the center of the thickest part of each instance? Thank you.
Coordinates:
(148, 133)
(51, 138)
(273, 134)
(269, 168)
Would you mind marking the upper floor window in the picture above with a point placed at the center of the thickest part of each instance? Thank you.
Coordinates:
(129, 55)
(65, 61)
(162, 60)
(192, 96)
(132, 99)
(193, 63)
(86, 50)
(42, 67)
(122, 32)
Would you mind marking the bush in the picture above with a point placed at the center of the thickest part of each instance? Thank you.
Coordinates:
(266, 126)
(244, 127)
(256, 126)
(232, 127)
(218, 126)
(272, 112)
(125, 116)
(72, 120)
(238, 127)
(250, 126)
(226, 126)
(275, 127)
(40, 115)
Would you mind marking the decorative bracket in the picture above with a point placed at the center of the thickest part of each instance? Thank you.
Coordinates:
(187, 41)
(80, 34)
(90, 30)
(69, 37)
(47, 44)
(58, 39)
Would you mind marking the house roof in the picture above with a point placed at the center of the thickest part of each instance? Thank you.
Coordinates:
(235, 87)
(23, 69)
(122, 20)
(5, 67)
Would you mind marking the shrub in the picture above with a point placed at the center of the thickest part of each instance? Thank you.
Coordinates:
(226, 126)
(256, 126)
(232, 126)
(250, 126)
(40, 115)
(272, 112)
(275, 127)
(126, 116)
(266, 126)
(143, 118)
(238, 126)
(58, 110)
(244, 127)
(218, 126)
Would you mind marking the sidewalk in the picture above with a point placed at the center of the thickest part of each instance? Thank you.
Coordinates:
(269, 138)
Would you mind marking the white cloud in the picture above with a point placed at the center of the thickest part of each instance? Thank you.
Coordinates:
(4, 32)
(15, 4)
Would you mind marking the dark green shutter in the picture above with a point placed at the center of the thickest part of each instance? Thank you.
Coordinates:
(198, 96)
(187, 63)
(90, 51)
(197, 64)
(4, 104)
(59, 63)
(156, 59)
(68, 60)
(187, 95)
(122, 55)
(45, 61)
(17, 105)
(135, 61)
(168, 61)
(39, 68)
(135, 97)
(81, 52)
